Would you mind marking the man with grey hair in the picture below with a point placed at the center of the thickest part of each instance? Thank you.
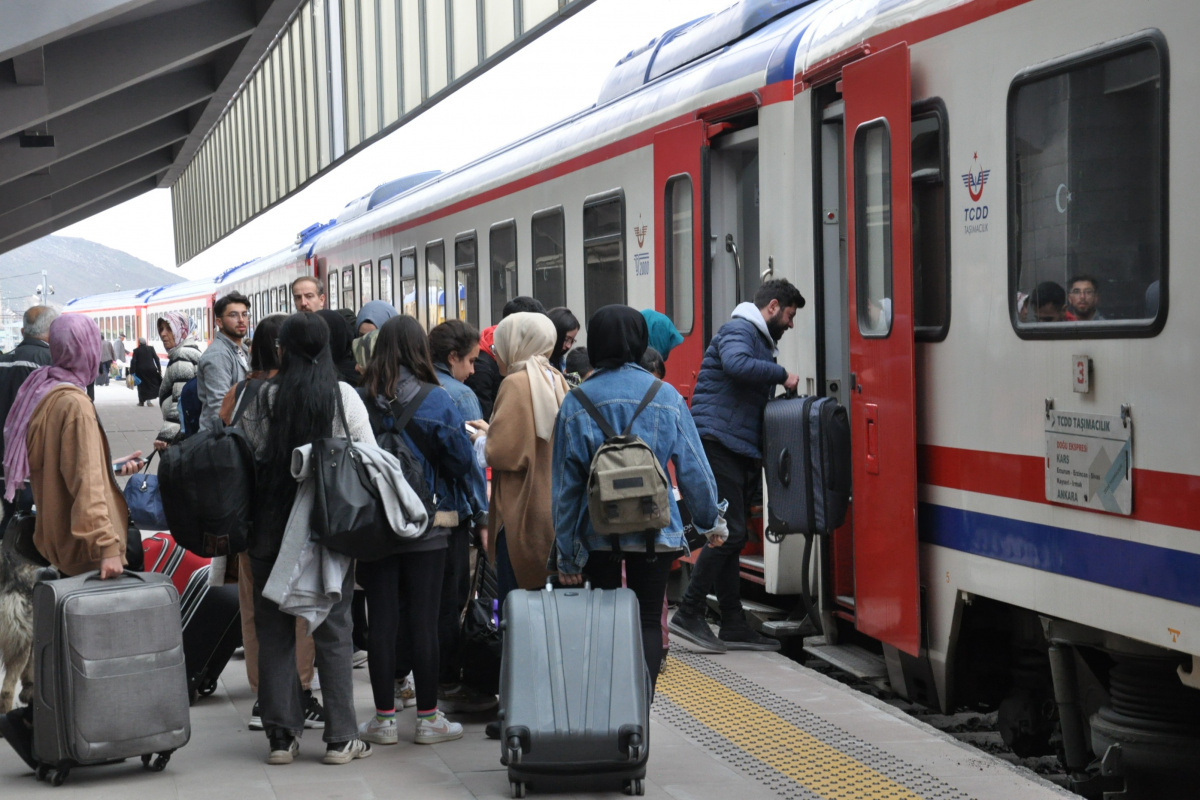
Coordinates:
(35, 328)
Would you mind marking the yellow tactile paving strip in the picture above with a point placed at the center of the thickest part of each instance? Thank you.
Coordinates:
(820, 768)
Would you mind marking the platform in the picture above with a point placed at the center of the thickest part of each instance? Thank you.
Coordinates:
(738, 726)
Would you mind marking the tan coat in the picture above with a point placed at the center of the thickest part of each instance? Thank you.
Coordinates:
(521, 482)
(81, 516)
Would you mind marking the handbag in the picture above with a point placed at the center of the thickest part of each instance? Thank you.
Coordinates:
(481, 640)
(137, 380)
(145, 501)
(347, 514)
(18, 538)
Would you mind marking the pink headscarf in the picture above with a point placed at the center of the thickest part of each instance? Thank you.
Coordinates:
(75, 351)
(181, 325)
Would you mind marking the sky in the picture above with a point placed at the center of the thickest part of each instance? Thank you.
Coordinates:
(552, 78)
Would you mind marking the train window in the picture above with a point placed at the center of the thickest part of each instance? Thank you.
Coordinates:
(931, 228)
(466, 276)
(348, 287)
(365, 292)
(680, 294)
(603, 250)
(385, 279)
(435, 283)
(502, 250)
(1087, 194)
(408, 284)
(549, 273)
(873, 228)
(334, 294)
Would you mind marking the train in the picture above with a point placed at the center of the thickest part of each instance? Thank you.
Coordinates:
(1026, 495)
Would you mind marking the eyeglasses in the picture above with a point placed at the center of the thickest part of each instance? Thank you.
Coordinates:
(569, 342)
(1084, 292)
(236, 315)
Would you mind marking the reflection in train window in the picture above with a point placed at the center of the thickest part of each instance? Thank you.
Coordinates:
(435, 283)
(679, 275)
(408, 284)
(331, 296)
(603, 251)
(365, 293)
(1088, 182)
(549, 275)
(466, 276)
(385, 279)
(502, 252)
(873, 228)
(931, 240)
(348, 288)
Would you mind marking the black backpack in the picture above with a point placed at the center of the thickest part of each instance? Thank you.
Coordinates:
(207, 486)
(388, 430)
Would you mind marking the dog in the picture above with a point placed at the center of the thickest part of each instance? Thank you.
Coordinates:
(17, 577)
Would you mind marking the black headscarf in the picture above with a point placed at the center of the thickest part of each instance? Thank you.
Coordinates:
(340, 337)
(616, 335)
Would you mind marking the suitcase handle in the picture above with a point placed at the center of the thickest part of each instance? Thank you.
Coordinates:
(552, 584)
(94, 575)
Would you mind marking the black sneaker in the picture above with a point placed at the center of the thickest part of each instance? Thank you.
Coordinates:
(16, 729)
(314, 714)
(283, 748)
(256, 718)
(746, 638)
(694, 630)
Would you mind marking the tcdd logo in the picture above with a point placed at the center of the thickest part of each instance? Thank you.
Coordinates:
(975, 181)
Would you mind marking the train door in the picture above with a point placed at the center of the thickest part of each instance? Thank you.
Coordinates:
(878, 305)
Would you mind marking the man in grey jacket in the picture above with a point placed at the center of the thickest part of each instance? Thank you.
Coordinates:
(226, 361)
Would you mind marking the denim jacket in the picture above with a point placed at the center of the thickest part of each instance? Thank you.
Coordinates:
(464, 399)
(665, 425)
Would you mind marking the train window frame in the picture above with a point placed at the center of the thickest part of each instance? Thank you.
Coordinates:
(671, 268)
(1135, 327)
(495, 268)
(385, 280)
(861, 230)
(591, 204)
(406, 277)
(348, 286)
(366, 283)
(431, 320)
(541, 216)
(333, 292)
(470, 314)
(925, 109)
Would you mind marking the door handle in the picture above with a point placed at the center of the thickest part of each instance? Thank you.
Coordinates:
(872, 438)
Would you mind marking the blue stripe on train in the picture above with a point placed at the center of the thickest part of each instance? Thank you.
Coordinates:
(1146, 569)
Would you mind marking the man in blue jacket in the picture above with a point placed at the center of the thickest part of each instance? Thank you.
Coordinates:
(736, 379)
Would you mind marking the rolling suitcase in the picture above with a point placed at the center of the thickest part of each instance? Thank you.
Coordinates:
(109, 672)
(806, 458)
(574, 689)
(211, 615)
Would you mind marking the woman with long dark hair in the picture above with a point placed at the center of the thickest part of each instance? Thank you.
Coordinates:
(340, 337)
(303, 402)
(566, 324)
(436, 436)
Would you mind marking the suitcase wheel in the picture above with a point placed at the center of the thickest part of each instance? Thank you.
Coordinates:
(514, 755)
(42, 771)
(635, 786)
(158, 764)
(207, 687)
(59, 776)
(518, 788)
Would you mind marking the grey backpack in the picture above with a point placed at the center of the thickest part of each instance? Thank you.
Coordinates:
(628, 491)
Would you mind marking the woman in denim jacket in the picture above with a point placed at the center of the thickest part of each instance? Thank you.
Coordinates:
(617, 339)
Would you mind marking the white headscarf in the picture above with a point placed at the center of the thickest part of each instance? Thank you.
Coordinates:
(524, 341)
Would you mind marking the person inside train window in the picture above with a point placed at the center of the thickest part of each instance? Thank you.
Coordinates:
(372, 316)
(308, 294)
(1083, 299)
(879, 314)
(1048, 302)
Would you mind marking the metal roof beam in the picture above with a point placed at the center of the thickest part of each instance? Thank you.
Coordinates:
(147, 47)
(28, 25)
(103, 121)
(81, 213)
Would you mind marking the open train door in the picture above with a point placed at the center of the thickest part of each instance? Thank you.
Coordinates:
(680, 175)
(877, 91)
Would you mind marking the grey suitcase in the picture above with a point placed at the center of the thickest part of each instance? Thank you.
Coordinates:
(110, 680)
(806, 459)
(574, 688)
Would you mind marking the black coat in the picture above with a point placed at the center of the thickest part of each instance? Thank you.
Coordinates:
(145, 365)
(485, 382)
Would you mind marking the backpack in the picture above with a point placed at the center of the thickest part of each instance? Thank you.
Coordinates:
(628, 491)
(207, 486)
(389, 436)
(189, 409)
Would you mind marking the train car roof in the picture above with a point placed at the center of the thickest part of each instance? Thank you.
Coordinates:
(177, 291)
(123, 298)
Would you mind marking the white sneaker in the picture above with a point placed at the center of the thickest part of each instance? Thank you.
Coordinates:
(438, 729)
(359, 658)
(377, 732)
(346, 752)
(406, 692)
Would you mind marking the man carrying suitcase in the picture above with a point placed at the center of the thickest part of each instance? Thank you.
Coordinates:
(736, 378)
(53, 438)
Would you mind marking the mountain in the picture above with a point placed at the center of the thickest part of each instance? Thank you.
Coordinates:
(75, 267)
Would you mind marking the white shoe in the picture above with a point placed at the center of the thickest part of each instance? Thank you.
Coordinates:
(377, 732)
(359, 658)
(406, 692)
(346, 752)
(438, 729)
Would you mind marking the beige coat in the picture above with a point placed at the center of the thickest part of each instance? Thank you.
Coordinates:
(81, 516)
(521, 482)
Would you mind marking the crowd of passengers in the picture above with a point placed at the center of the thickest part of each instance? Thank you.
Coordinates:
(504, 445)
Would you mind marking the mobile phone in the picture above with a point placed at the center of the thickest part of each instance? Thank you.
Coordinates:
(470, 428)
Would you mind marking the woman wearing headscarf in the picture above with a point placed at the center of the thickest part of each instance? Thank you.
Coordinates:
(372, 316)
(618, 338)
(340, 337)
(177, 332)
(53, 438)
(145, 366)
(518, 450)
(662, 333)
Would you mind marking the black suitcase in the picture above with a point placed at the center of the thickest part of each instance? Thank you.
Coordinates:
(574, 688)
(806, 458)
